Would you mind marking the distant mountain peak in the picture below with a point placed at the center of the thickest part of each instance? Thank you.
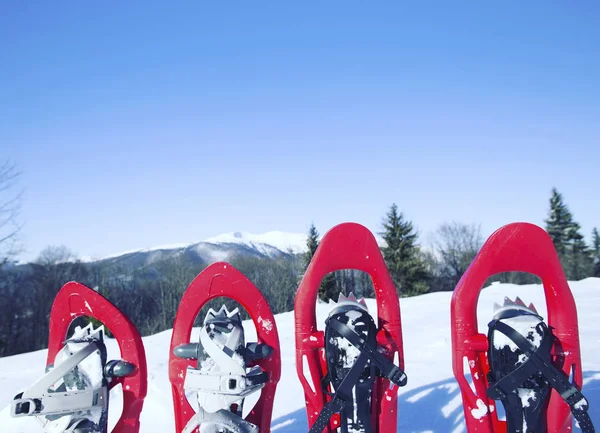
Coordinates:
(284, 241)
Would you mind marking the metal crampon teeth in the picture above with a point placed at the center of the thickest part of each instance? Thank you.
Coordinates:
(517, 304)
(223, 314)
(351, 299)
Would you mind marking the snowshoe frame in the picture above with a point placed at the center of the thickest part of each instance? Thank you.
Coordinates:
(527, 248)
(221, 279)
(347, 246)
(75, 300)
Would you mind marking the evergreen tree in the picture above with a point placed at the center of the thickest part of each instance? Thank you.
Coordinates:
(328, 289)
(579, 260)
(402, 254)
(575, 256)
(596, 251)
(558, 223)
(312, 243)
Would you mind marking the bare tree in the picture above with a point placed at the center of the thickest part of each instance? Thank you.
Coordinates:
(456, 245)
(54, 255)
(10, 204)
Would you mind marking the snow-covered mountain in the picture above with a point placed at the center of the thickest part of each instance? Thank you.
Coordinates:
(271, 244)
(430, 402)
(283, 241)
(226, 246)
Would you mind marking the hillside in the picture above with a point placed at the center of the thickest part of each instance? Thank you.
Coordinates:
(429, 403)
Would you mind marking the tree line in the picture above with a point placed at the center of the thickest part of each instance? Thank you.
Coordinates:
(416, 269)
(149, 294)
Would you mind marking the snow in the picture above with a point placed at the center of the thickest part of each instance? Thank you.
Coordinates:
(430, 402)
(481, 409)
(266, 243)
(173, 246)
(296, 242)
(266, 324)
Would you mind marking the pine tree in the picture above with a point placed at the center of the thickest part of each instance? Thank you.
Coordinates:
(312, 243)
(575, 256)
(579, 260)
(328, 289)
(596, 251)
(558, 223)
(402, 255)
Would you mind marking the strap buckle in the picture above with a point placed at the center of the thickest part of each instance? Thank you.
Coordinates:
(224, 383)
(397, 376)
(58, 403)
(575, 399)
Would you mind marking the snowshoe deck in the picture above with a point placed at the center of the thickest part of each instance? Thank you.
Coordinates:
(347, 366)
(220, 380)
(353, 363)
(521, 371)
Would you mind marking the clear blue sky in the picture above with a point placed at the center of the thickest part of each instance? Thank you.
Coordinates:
(137, 124)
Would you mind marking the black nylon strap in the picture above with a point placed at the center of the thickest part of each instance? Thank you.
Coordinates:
(363, 406)
(572, 396)
(508, 383)
(342, 395)
(389, 370)
(328, 410)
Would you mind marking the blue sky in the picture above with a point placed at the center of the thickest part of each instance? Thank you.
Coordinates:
(138, 124)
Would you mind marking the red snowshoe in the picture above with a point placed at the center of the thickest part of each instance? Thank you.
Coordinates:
(73, 395)
(219, 371)
(522, 361)
(351, 363)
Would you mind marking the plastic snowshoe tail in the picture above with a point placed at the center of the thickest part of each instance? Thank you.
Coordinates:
(73, 395)
(520, 247)
(215, 368)
(347, 246)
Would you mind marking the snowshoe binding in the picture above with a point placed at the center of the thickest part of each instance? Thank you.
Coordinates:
(353, 362)
(73, 394)
(220, 381)
(521, 372)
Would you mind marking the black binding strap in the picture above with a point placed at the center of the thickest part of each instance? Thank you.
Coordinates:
(387, 368)
(572, 396)
(343, 395)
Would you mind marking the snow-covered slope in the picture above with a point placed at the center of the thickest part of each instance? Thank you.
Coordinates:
(283, 241)
(429, 403)
(271, 244)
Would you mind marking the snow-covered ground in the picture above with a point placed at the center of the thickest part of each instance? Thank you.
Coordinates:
(429, 403)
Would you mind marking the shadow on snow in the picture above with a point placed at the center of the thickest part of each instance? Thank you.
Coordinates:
(437, 408)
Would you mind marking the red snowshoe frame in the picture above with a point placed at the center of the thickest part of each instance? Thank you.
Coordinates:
(222, 279)
(347, 246)
(520, 247)
(75, 300)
